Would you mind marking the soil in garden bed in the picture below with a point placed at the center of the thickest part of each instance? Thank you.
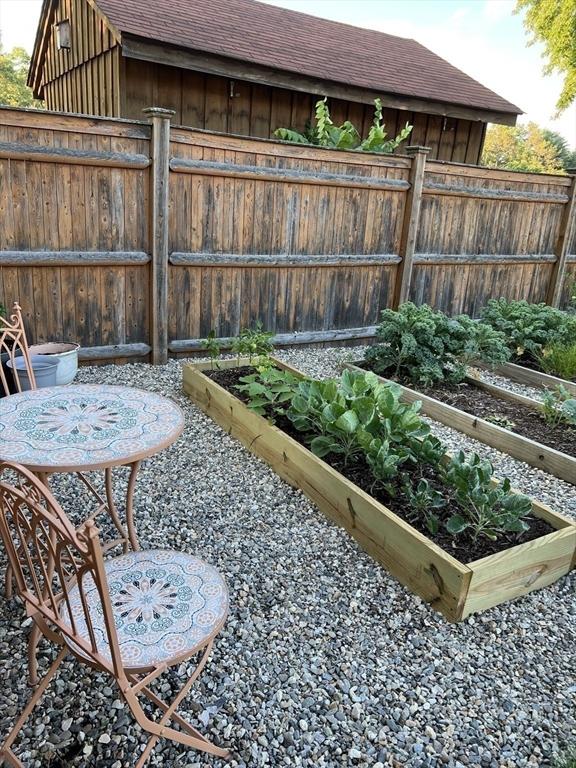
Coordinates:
(516, 417)
(463, 548)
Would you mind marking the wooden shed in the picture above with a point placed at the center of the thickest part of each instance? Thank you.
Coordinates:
(246, 67)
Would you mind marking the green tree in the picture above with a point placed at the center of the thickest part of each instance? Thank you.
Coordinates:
(553, 23)
(13, 71)
(520, 148)
(565, 156)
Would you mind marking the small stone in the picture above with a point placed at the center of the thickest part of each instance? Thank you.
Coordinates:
(104, 739)
(355, 754)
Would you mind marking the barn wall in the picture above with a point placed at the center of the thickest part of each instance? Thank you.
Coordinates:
(86, 77)
(247, 109)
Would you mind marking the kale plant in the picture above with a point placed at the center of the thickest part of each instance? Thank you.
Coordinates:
(485, 510)
(421, 346)
(529, 328)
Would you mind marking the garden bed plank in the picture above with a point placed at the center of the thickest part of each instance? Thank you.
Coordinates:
(418, 563)
(528, 376)
(523, 448)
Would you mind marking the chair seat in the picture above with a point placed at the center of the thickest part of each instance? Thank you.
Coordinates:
(165, 604)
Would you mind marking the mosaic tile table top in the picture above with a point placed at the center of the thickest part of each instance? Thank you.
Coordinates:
(85, 426)
(165, 604)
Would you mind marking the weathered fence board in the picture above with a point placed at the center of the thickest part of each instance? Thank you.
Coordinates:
(100, 245)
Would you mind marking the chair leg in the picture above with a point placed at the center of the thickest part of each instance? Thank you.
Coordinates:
(5, 751)
(9, 582)
(33, 641)
(189, 737)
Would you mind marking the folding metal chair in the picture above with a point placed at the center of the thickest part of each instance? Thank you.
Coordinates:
(132, 616)
(13, 342)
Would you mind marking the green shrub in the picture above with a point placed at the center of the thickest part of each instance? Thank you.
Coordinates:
(422, 346)
(559, 360)
(529, 328)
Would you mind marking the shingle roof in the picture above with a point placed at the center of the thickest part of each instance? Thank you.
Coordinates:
(290, 41)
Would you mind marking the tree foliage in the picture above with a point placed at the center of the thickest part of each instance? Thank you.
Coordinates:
(553, 23)
(13, 71)
(566, 157)
(520, 148)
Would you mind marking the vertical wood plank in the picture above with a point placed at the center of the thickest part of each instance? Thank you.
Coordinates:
(410, 225)
(159, 186)
(561, 250)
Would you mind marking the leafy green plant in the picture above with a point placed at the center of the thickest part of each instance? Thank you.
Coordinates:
(529, 328)
(346, 136)
(345, 416)
(500, 421)
(425, 502)
(422, 346)
(559, 407)
(212, 347)
(269, 390)
(485, 511)
(559, 360)
(255, 344)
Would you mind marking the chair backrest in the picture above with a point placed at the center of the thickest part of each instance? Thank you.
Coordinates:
(56, 567)
(13, 341)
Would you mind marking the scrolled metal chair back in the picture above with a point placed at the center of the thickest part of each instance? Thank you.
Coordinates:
(56, 567)
(13, 342)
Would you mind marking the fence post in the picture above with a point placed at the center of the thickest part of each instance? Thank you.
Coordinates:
(554, 295)
(159, 180)
(410, 224)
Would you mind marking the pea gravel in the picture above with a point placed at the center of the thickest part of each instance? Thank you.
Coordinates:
(325, 659)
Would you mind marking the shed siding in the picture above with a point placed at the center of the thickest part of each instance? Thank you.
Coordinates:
(85, 78)
(244, 108)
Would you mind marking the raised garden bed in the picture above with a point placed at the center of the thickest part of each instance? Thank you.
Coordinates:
(529, 376)
(454, 588)
(520, 446)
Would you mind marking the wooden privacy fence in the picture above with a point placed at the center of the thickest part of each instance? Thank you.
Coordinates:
(138, 238)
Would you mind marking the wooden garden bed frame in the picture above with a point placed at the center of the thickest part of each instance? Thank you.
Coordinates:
(454, 589)
(528, 376)
(523, 448)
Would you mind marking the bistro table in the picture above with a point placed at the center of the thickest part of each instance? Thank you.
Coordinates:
(84, 427)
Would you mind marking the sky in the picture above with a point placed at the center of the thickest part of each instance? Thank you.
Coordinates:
(483, 38)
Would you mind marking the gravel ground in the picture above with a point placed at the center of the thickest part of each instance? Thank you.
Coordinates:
(325, 659)
(513, 386)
